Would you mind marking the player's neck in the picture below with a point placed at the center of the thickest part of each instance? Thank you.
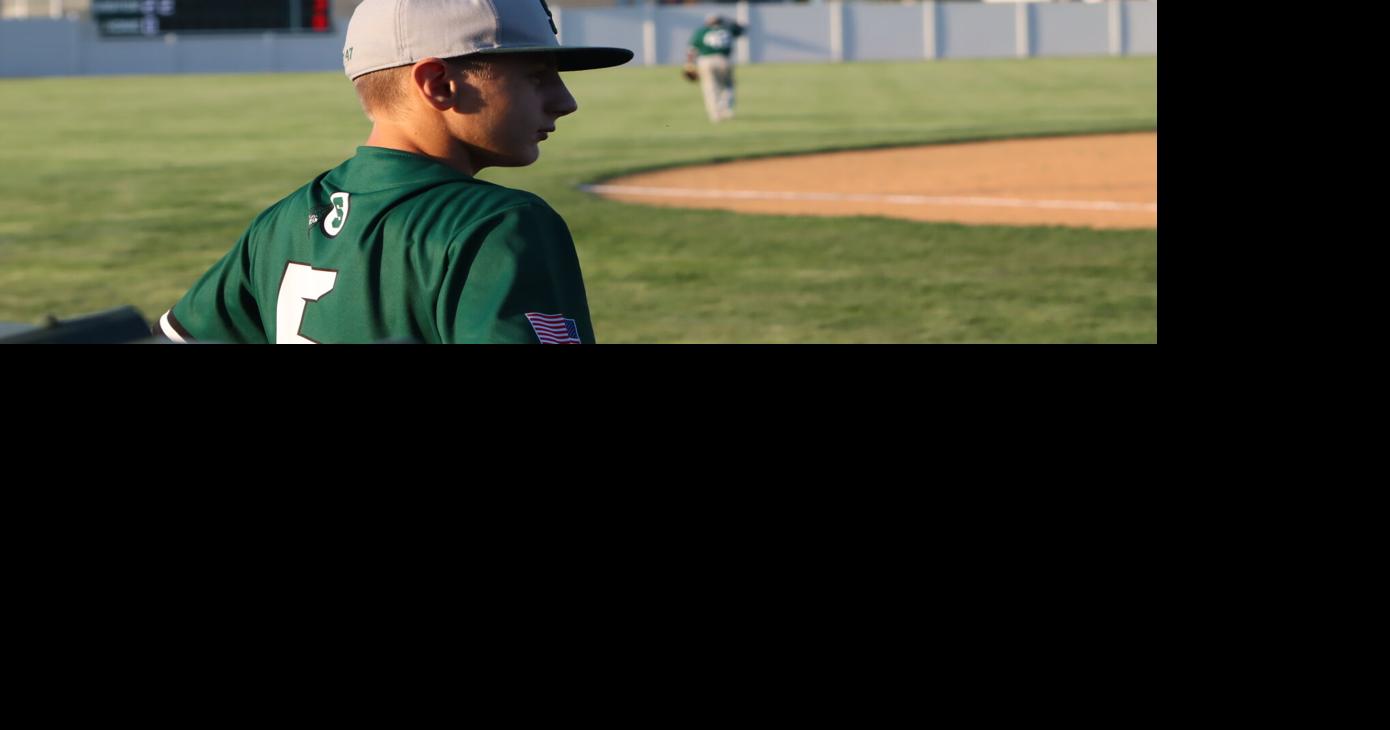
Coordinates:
(440, 148)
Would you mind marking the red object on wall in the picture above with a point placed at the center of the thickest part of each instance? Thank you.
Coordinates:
(319, 20)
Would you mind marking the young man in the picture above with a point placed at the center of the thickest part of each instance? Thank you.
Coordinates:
(708, 52)
(401, 241)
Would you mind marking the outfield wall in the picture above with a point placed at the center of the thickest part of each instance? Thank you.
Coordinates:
(657, 34)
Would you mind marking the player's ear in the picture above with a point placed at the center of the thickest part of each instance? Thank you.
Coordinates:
(433, 81)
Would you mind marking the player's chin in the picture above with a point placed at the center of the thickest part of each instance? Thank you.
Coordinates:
(520, 157)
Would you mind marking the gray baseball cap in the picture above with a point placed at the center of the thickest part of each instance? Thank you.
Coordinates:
(389, 33)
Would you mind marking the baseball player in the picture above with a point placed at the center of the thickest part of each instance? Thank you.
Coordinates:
(708, 52)
(402, 241)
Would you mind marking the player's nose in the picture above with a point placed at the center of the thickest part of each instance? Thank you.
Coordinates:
(561, 101)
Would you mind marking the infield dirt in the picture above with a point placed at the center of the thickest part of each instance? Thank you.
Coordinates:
(1095, 181)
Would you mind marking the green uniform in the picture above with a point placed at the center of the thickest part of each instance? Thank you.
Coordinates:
(392, 245)
(715, 39)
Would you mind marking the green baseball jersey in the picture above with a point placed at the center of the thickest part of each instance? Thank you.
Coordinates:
(392, 245)
(715, 39)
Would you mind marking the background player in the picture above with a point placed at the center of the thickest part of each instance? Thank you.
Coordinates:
(401, 241)
(709, 51)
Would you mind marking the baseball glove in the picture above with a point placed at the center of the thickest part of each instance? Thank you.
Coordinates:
(689, 72)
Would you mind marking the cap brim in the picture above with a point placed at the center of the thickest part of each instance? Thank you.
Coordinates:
(572, 58)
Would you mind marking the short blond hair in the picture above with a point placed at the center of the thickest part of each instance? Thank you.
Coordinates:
(387, 89)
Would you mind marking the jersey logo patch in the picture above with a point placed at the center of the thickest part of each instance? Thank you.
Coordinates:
(554, 329)
(719, 39)
(333, 222)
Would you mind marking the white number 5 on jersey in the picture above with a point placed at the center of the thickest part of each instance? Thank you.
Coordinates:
(301, 284)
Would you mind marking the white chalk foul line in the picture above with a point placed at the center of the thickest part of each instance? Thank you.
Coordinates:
(869, 198)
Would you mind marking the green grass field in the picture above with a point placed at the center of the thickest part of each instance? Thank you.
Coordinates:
(122, 190)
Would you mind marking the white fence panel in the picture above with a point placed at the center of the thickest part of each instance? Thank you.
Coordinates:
(1141, 28)
(968, 30)
(310, 53)
(251, 53)
(1071, 29)
(619, 27)
(39, 48)
(784, 33)
(876, 32)
(128, 56)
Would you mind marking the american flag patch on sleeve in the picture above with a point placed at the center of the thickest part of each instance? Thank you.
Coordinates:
(554, 329)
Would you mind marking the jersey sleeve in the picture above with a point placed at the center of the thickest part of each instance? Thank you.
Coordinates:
(514, 278)
(220, 306)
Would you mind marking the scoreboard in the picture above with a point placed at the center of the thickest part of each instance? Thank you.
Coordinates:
(157, 17)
